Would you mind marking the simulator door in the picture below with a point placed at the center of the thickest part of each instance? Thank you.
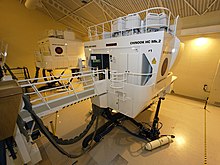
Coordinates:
(100, 61)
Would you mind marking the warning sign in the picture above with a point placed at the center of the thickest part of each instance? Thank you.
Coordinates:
(154, 61)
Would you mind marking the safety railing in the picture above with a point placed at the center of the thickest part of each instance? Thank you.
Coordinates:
(118, 80)
(51, 95)
(150, 20)
(19, 72)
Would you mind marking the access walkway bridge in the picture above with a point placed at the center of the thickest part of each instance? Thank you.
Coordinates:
(50, 94)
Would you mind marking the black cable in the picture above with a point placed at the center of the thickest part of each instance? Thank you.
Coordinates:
(36, 74)
(76, 138)
(26, 72)
(44, 74)
(146, 124)
(1, 73)
(51, 84)
(95, 130)
(56, 78)
(132, 133)
(59, 76)
(50, 138)
(161, 125)
(99, 134)
(44, 130)
(11, 73)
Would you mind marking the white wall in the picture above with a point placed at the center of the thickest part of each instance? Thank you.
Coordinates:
(21, 28)
(197, 65)
(214, 97)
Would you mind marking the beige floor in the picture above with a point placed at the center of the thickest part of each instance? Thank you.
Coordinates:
(180, 116)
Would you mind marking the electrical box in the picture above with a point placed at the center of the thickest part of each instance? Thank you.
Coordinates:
(10, 103)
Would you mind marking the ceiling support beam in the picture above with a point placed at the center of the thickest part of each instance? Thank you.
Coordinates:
(105, 9)
(82, 21)
(108, 26)
(120, 11)
(132, 6)
(78, 9)
(209, 7)
(160, 4)
(148, 4)
(91, 15)
(47, 10)
(74, 29)
(105, 16)
(70, 27)
(192, 7)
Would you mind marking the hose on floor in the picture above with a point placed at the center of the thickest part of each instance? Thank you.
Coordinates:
(45, 131)
(76, 138)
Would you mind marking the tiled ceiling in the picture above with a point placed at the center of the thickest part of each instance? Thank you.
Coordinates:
(78, 16)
